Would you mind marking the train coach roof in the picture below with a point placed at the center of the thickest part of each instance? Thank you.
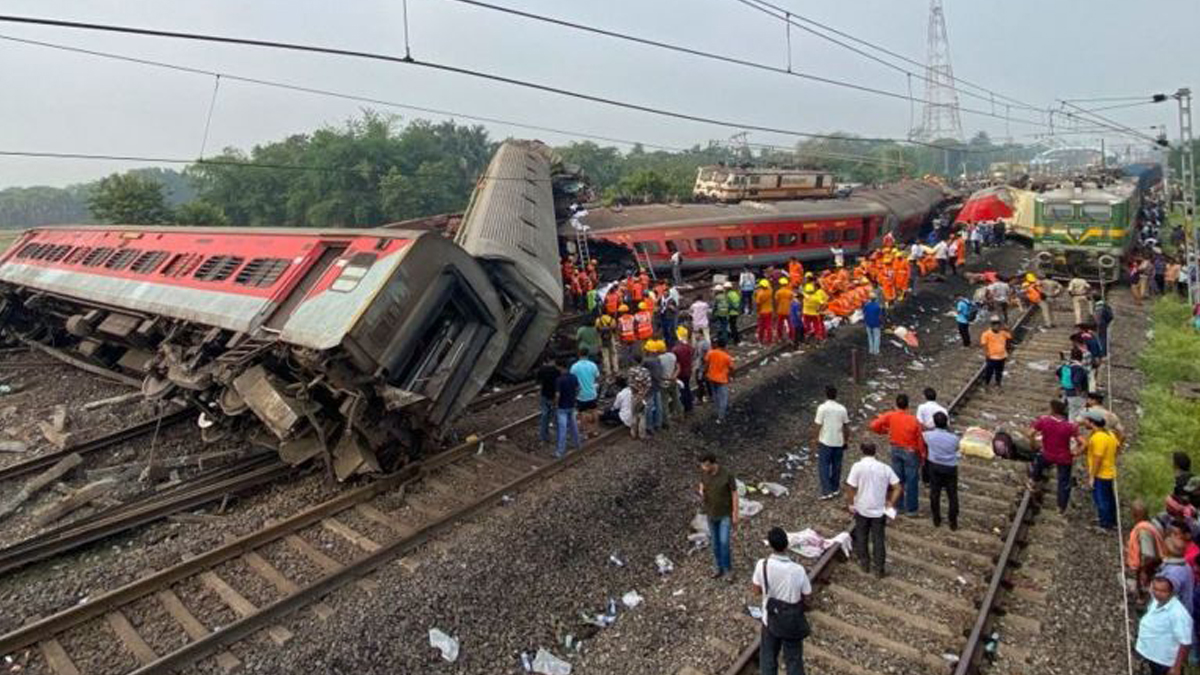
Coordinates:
(608, 218)
(237, 231)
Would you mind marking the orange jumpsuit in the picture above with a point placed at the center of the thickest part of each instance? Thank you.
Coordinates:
(795, 272)
(902, 273)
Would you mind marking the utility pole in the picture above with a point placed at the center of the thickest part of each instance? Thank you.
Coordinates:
(1187, 173)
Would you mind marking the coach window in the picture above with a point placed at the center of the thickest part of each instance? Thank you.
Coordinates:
(353, 272)
(735, 243)
(830, 235)
(787, 239)
(647, 247)
(708, 245)
(806, 237)
(850, 235)
(762, 241)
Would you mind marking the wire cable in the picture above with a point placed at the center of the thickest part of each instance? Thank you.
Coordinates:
(902, 57)
(212, 104)
(440, 67)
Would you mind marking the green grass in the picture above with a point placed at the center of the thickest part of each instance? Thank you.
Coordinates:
(1168, 422)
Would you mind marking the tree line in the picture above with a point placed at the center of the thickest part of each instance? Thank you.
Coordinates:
(374, 170)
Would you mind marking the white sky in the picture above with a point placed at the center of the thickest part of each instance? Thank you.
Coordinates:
(1035, 51)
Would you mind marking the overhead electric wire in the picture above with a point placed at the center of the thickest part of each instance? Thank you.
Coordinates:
(783, 14)
(469, 72)
(1106, 99)
(715, 56)
(1101, 120)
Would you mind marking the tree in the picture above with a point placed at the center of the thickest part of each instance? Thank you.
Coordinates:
(199, 212)
(129, 199)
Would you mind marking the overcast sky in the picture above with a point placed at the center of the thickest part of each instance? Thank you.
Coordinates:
(1036, 51)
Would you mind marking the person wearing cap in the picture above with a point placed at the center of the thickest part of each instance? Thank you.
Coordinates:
(1101, 452)
(764, 305)
(777, 577)
(995, 351)
(734, 297)
(655, 410)
(685, 355)
(1095, 403)
(1165, 631)
(1037, 297)
(783, 311)
(643, 322)
(814, 304)
(606, 326)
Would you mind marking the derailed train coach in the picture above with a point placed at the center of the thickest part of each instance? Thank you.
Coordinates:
(509, 227)
(352, 344)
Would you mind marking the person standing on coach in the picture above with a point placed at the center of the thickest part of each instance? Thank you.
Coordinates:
(872, 488)
(833, 431)
(995, 349)
(780, 579)
(943, 469)
(718, 491)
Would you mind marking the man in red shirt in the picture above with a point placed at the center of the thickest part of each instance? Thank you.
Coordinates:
(908, 449)
(1056, 433)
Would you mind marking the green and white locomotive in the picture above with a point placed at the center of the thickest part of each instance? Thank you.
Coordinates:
(1083, 229)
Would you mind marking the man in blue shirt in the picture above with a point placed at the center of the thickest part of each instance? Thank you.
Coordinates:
(587, 373)
(962, 317)
(1165, 631)
(943, 469)
(873, 320)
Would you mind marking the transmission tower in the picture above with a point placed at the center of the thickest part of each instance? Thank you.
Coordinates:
(940, 118)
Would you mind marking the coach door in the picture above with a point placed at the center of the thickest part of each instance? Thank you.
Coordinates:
(325, 259)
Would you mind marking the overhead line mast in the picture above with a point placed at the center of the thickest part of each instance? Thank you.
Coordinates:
(941, 118)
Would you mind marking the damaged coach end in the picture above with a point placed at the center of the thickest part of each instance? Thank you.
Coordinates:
(352, 345)
(510, 227)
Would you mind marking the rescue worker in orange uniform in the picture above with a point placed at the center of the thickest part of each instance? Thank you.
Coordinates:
(795, 272)
(783, 309)
(612, 300)
(887, 281)
(626, 329)
(643, 322)
(901, 276)
(764, 304)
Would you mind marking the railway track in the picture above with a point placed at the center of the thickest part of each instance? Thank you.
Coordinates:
(339, 542)
(952, 600)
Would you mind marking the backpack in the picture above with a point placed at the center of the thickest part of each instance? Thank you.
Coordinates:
(1065, 380)
(972, 311)
(785, 620)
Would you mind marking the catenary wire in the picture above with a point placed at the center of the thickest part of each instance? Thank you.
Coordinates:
(441, 67)
(723, 58)
(396, 104)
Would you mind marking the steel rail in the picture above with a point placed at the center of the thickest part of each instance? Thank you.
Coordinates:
(87, 447)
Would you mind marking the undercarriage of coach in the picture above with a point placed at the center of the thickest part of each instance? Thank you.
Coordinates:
(305, 404)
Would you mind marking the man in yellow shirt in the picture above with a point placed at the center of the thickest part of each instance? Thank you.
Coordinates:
(1101, 449)
(813, 305)
(783, 311)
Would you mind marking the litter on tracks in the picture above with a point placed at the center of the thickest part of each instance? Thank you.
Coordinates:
(632, 599)
(447, 645)
(664, 564)
(549, 664)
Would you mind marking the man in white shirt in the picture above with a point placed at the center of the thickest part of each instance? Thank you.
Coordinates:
(621, 409)
(941, 253)
(839, 255)
(779, 578)
(699, 312)
(929, 408)
(872, 490)
(998, 292)
(833, 427)
(676, 263)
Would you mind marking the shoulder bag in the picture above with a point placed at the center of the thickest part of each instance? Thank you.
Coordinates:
(785, 620)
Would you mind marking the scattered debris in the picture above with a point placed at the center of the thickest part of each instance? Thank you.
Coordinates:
(40, 481)
(444, 643)
(549, 664)
(615, 559)
(113, 400)
(14, 446)
(748, 508)
(773, 489)
(664, 564)
(1041, 366)
(73, 501)
(631, 599)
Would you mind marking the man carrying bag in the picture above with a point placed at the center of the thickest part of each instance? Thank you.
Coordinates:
(783, 585)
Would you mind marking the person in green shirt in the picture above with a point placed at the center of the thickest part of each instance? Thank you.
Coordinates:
(587, 337)
(734, 296)
(718, 490)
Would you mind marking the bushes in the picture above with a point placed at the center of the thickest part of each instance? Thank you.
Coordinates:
(1168, 422)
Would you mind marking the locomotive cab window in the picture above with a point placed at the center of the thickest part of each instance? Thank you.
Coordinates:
(708, 245)
(1097, 212)
(735, 243)
(762, 241)
(353, 272)
(1060, 211)
(644, 247)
